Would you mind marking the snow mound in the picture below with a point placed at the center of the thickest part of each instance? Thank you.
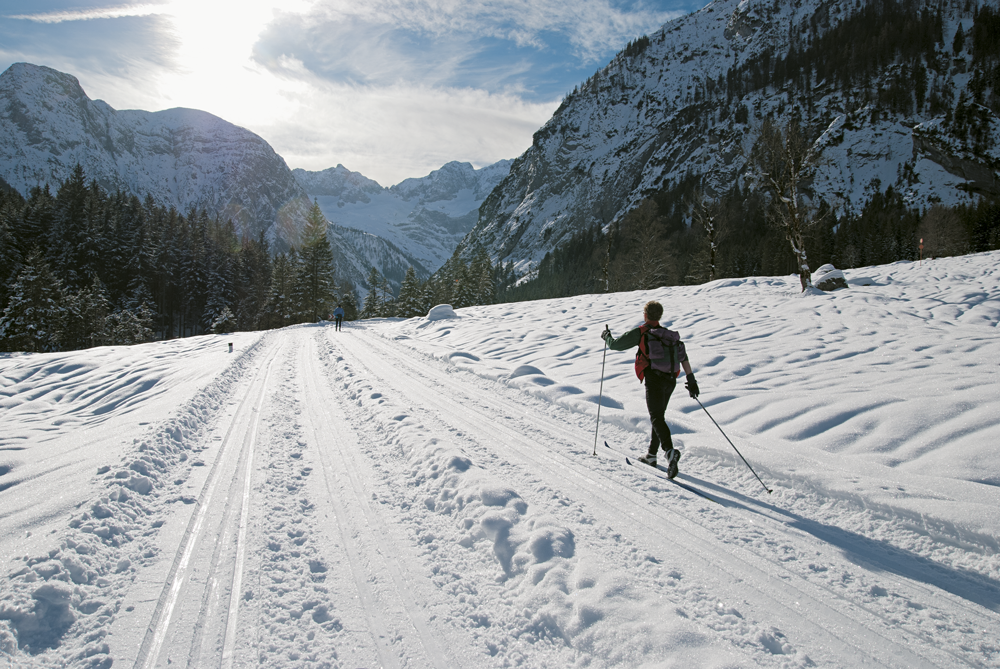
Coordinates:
(440, 312)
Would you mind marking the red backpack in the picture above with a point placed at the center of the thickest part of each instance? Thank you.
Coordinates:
(659, 349)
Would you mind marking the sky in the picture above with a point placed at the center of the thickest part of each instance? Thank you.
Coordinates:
(389, 88)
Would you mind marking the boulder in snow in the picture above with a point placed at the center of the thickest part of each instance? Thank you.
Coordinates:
(829, 278)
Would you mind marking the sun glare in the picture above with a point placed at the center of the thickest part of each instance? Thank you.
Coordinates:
(213, 69)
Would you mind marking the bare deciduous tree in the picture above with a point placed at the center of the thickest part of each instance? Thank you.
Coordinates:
(649, 263)
(708, 215)
(784, 161)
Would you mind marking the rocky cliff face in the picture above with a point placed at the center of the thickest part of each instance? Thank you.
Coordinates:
(687, 100)
(183, 157)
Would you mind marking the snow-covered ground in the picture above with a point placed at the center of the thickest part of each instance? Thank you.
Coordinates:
(423, 493)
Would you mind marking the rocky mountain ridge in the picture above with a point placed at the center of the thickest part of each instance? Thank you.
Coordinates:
(426, 216)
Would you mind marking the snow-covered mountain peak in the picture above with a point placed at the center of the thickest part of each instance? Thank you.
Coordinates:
(426, 216)
(446, 183)
(184, 158)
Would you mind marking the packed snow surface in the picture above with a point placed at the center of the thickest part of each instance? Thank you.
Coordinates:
(425, 492)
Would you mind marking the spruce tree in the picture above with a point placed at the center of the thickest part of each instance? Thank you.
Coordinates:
(10, 255)
(281, 306)
(86, 317)
(373, 306)
(408, 303)
(35, 316)
(349, 302)
(316, 288)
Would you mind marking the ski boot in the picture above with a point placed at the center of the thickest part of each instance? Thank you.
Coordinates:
(649, 459)
(673, 455)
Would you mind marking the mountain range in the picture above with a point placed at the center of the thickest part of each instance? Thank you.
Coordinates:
(190, 159)
(891, 94)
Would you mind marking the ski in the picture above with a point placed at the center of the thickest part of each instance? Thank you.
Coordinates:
(660, 472)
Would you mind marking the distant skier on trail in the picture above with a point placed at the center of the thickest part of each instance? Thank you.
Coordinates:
(338, 317)
(658, 361)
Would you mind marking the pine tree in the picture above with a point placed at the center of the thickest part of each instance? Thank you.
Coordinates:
(35, 223)
(316, 288)
(427, 297)
(373, 306)
(127, 327)
(281, 306)
(87, 314)
(349, 302)
(10, 255)
(35, 317)
(408, 303)
(253, 283)
(481, 275)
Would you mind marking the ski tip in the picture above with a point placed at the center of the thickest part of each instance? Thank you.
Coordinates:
(627, 461)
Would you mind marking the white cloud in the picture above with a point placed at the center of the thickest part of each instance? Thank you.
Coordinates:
(395, 132)
(90, 14)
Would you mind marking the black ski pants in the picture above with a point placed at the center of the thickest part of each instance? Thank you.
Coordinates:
(659, 387)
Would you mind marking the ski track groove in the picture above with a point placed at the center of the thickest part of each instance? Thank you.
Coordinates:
(342, 474)
(461, 414)
(183, 571)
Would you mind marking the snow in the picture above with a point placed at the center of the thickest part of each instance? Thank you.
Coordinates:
(423, 492)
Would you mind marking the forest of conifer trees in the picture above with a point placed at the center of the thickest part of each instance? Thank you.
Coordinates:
(82, 267)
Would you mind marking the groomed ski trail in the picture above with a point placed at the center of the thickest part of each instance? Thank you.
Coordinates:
(529, 445)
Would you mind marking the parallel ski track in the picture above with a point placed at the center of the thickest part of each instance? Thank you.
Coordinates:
(360, 526)
(847, 638)
(197, 642)
(766, 509)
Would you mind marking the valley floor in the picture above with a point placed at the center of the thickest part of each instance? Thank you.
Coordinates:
(425, 493)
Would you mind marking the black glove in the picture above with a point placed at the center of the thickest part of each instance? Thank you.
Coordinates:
(606, 335)
(692, 385)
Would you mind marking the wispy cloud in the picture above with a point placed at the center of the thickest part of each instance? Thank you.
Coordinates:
(90, 14)
(590, 26)
(538, 47)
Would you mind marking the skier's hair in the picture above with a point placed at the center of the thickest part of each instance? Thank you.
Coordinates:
(653, 310)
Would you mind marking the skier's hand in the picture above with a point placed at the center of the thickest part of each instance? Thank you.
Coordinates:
(692, 386)
(606, 335)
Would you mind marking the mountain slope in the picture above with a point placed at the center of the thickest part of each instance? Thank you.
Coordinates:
(184, 158)
(189, 159)
(687, 100)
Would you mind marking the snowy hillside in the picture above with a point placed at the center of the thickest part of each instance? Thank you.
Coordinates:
(184, 158)
(423, 493)
(687, 101)
(426, 217)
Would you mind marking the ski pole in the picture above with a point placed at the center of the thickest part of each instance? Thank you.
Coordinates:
(600, 395)
(769, 491)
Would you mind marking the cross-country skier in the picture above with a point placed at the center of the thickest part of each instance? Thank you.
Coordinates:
(338, 317)
(659, 359)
